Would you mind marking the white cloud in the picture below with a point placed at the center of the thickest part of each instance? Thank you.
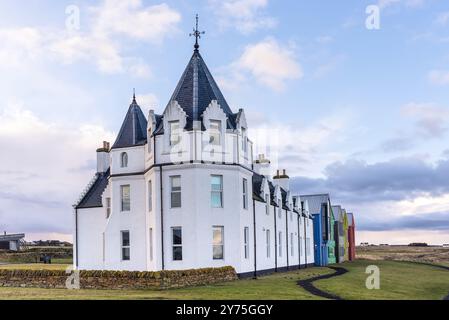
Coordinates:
(302, 149)
(113, 22)
(431, 120)
(439, 77)
(19, 45)
(148, 102)
(244, 15)
(45, 168)
(269, 62)
(130, 18)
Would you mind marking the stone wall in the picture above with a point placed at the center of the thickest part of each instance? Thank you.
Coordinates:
(117, 279)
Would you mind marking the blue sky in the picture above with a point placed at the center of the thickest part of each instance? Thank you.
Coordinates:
(362, 114)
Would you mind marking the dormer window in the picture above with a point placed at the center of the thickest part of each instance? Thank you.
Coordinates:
(175, 136)
(124, 160)
(215, 133)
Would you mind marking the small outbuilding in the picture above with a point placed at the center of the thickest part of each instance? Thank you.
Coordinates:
(351, 236)
(11, 242)
(339, 234)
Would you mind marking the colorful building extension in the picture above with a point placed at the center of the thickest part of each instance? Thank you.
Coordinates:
(319, 208)
(331, 247)
(345, 232)
(339, 233)
(351, 237)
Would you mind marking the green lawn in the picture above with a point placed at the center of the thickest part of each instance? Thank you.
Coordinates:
(398, 281)
(34, 266)
(276, 287)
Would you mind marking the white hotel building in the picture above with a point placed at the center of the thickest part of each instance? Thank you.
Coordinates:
(182, 190)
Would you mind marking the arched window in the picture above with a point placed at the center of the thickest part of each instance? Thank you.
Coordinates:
(124, 160)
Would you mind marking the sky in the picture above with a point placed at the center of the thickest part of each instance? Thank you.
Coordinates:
(355, 104)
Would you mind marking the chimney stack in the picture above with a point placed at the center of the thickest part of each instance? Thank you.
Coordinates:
(283, 180)
(263, 166)
(103, 157)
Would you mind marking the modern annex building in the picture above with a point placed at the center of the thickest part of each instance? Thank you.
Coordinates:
(183, 190)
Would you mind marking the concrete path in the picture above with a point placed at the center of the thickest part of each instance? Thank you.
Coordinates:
(308, 284)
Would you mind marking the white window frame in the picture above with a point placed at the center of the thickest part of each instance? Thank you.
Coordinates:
(123, 246)
(268, 242)
(215, 133)
(292, 245)
(174, 133)
(246, 241)
(108, 207)
(122, 198)
(173, 229)
(173, 192)
(124, 160)
(280, 244)
(245, 193)
(220, 244)
(216, 192)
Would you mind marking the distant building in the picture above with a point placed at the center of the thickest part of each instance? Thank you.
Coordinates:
(11, 242)
(446, 245)
(418, 244)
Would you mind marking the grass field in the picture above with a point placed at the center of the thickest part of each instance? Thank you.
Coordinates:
(280, 286)
(399, 280)
(434, 255)
(34, 266)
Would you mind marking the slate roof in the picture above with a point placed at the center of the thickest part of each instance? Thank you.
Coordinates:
(92, 199)
(12, 237)
(134, 128)
(195, 91)
(315, 202)
(257, 186)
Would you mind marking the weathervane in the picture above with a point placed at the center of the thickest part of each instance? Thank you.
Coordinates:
(197, 34)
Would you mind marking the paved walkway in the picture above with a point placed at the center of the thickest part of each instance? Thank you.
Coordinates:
(308, 284)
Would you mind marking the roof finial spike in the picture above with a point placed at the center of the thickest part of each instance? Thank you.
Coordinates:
(134, 96)
(197, 34)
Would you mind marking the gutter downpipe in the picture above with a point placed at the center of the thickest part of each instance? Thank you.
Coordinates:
(299, 243)
(255, 240)
(286, 237)
(76, 237)
(275, 242)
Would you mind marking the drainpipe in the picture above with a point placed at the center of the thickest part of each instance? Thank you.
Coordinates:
(255, 239)
(275, 242)
(286, 237)
(76, 237)
(162, 219)
(299, 243)
(305, 238)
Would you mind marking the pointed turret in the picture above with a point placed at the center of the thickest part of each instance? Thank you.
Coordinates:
(133, 130)
(197, 89)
